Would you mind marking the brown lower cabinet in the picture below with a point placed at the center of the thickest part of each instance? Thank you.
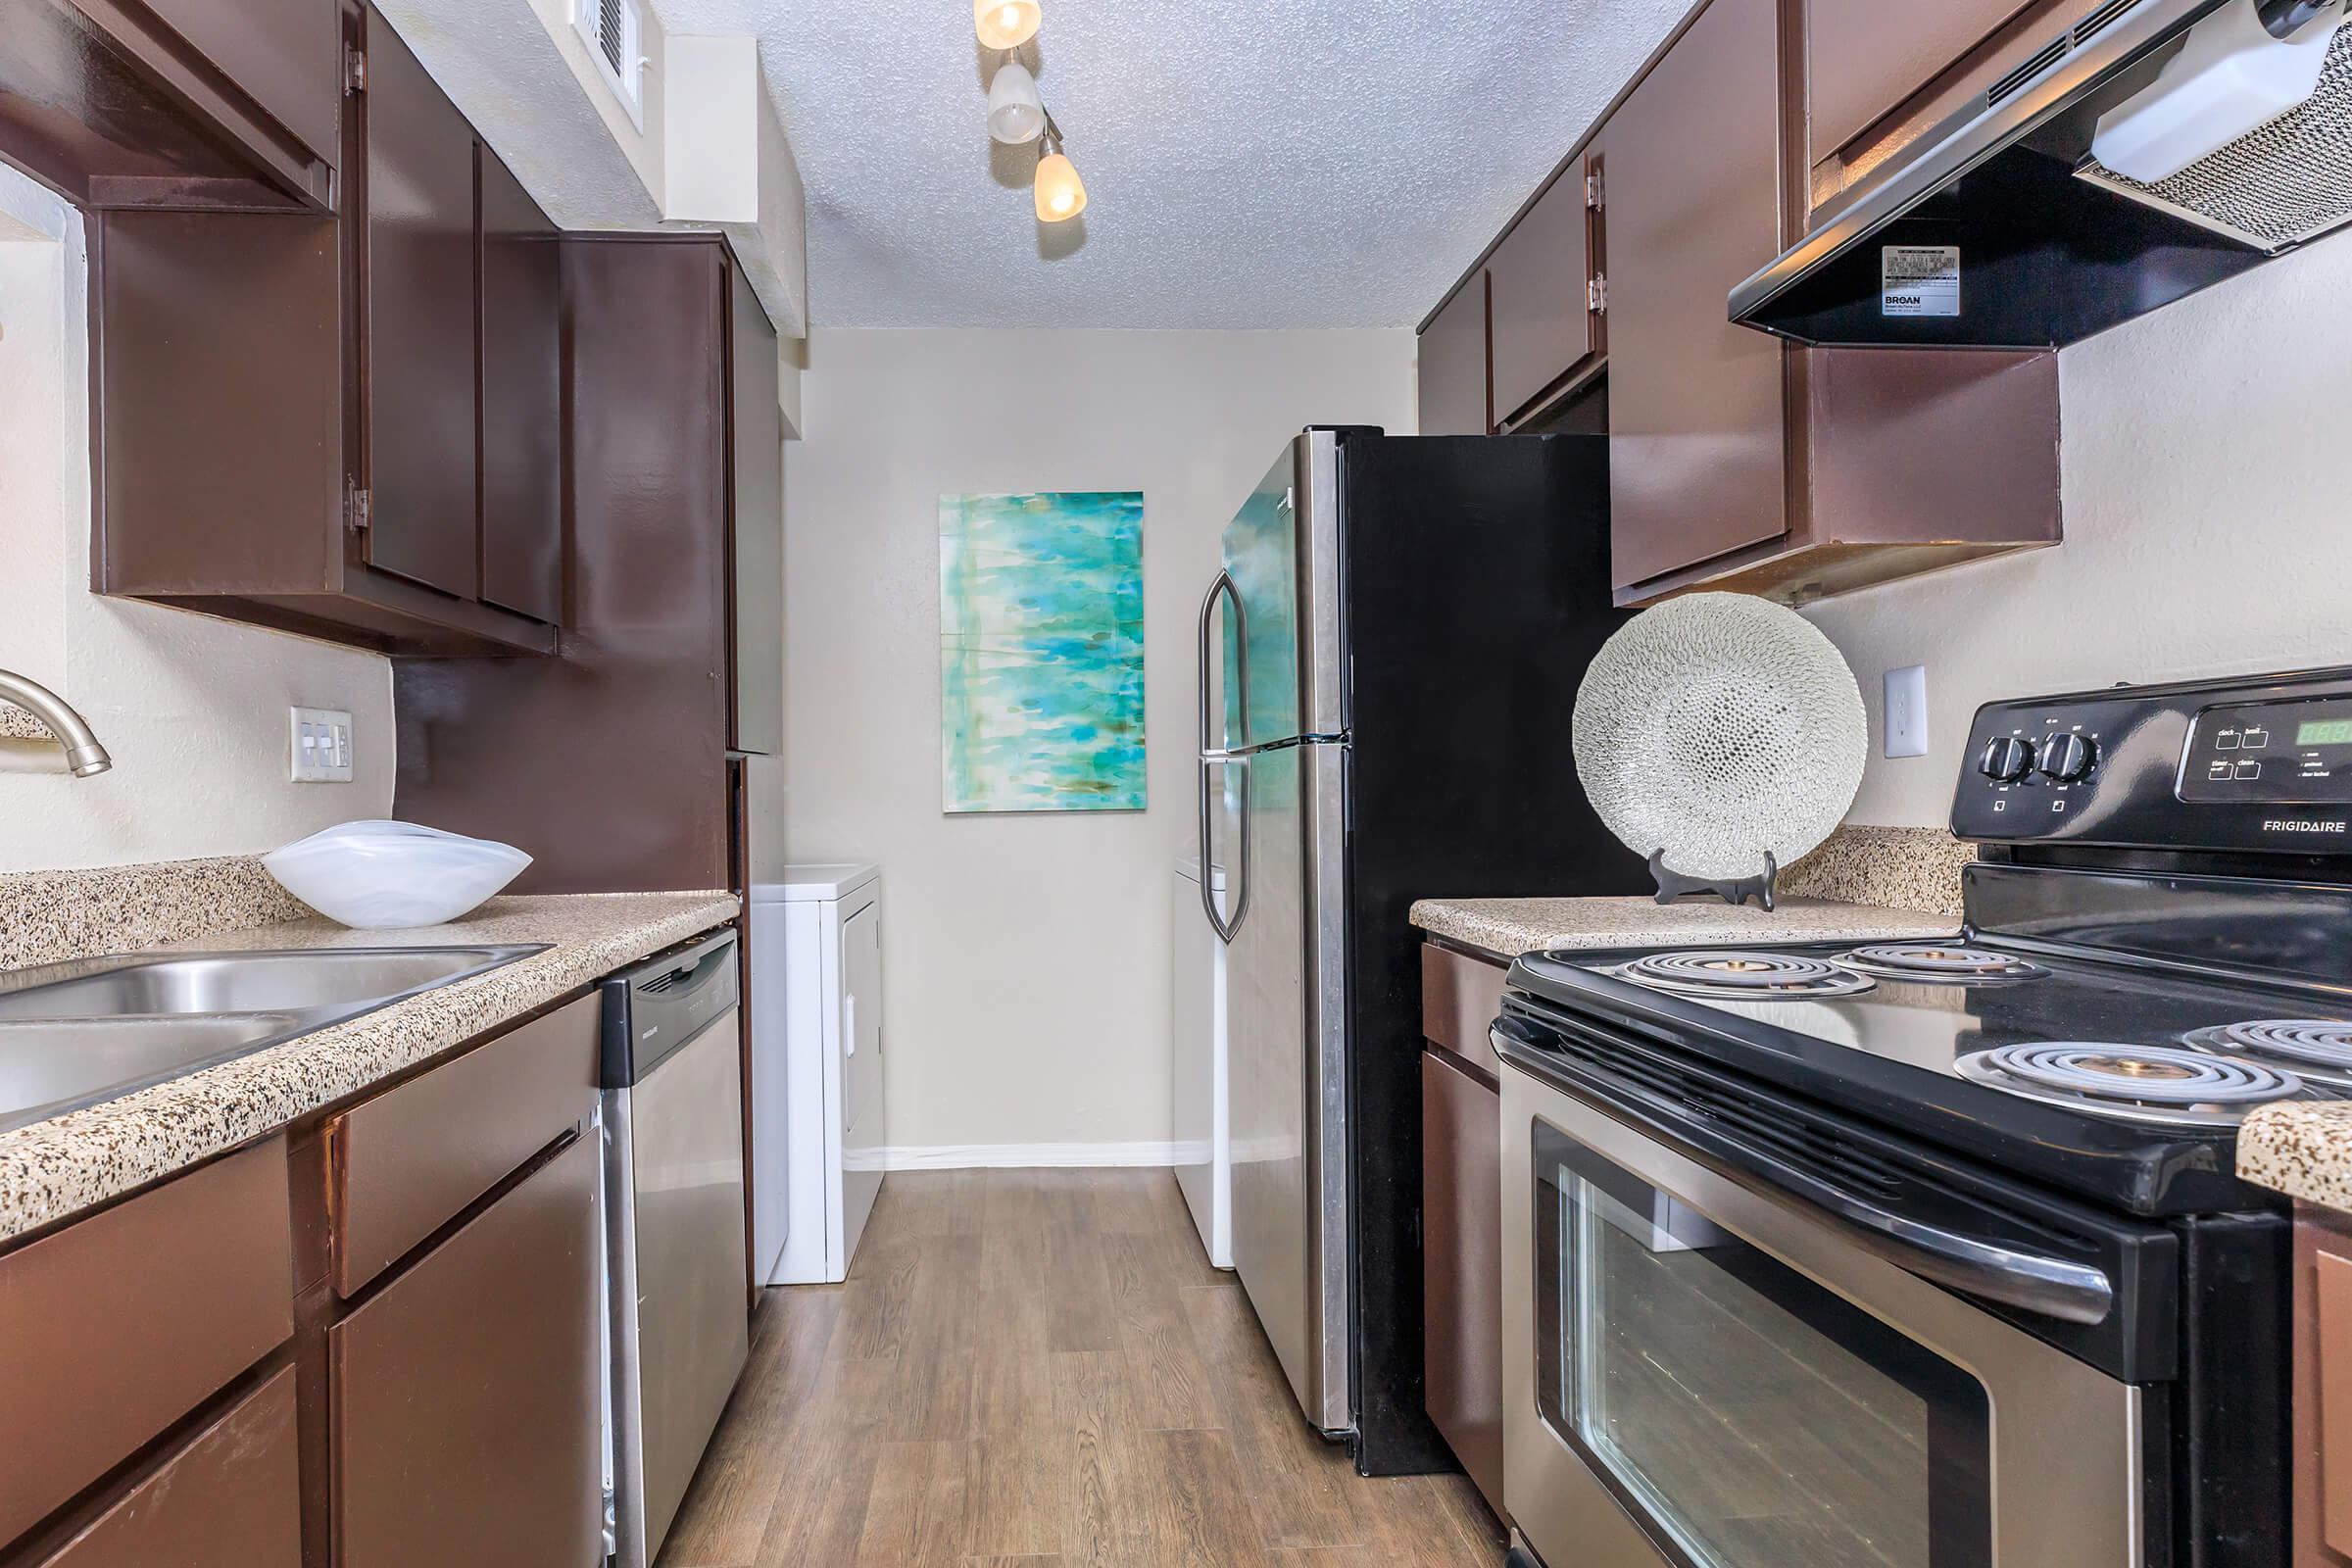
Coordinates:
(228, 1497)
(2323, 1394)
(466, 1393)
(1462, 1211)
(369, 1339)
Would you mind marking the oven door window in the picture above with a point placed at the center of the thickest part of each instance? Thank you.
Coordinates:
(1748, 1416)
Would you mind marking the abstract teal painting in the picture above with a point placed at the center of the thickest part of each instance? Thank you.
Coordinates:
(1040, 651)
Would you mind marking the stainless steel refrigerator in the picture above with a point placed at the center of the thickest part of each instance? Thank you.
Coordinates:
(1388, 664)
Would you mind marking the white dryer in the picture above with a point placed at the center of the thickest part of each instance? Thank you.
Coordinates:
(817, 1130)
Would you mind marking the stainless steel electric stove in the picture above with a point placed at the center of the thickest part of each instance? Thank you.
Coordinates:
(1932, 1254)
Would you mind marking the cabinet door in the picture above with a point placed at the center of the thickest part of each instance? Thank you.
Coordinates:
(1461, 1266)
(467, 1395)
(755, 527)
(1696, 411)
(1453, 365)
(523, 399)
(1865, 56)
(1542, 280)
(421, 323)
(285, 55)
(227, 1497)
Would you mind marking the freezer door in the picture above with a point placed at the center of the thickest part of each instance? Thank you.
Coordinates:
(1281, 551)
(1285, 1017)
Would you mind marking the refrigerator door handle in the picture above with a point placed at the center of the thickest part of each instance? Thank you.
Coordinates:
(1215, 758)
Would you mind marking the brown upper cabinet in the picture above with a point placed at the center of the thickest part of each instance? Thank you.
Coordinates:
(1735, 460)
(419, 266)
(221, 104)
(523, 399)
(1544, 284)
(1455, 397)
(290, 425)
(754, 526)
(1879, 77)
(1697, 462)
(1864, 57)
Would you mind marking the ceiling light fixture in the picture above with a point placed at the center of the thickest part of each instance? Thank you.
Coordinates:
(1060, 193)
(1016, 113)
(1006, 24)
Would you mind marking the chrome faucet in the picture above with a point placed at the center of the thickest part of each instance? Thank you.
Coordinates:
(84, 755)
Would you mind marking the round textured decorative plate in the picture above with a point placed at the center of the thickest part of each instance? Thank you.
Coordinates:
(1720, 727)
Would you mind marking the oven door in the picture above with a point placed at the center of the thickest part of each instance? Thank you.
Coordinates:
(1704, 1372)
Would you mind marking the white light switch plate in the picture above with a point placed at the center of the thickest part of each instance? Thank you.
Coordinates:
(1906, 712)
(321, 741)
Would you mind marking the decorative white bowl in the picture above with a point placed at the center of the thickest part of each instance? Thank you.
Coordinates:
(387, 876)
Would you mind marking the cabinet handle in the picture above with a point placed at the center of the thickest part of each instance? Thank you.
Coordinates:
(849, 1024)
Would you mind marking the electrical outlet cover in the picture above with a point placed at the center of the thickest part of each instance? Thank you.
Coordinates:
(1905, 711)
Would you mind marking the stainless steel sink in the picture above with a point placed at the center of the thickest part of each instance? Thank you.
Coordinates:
(57, 1065)
(295, 981)
(74, 1033)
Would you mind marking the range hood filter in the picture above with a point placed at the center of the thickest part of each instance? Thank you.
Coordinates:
(2280, 184)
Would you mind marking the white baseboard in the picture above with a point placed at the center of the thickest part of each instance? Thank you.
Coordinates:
(1017, 1157)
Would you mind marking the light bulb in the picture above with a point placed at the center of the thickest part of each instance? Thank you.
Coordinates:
(1016, 113)
(1006, 24)
(1060, 193)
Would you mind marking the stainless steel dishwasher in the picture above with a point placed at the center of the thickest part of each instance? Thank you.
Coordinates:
(674, 1206)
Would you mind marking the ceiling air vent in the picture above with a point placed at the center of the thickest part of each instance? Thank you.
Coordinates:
(614, 30)
(2008, 85)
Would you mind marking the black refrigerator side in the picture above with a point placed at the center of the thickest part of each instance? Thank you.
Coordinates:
(1477, 592)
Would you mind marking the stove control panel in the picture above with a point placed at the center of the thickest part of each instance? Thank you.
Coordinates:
(2286, 753)
(2262, 763)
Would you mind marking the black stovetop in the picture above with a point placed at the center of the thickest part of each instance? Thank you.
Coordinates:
(1889, 1056)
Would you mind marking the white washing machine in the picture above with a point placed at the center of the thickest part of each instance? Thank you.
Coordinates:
(1203, 1130)
(817, 1129)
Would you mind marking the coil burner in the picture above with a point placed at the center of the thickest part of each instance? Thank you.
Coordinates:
(2134, 1083)
(2317, 1048)
(1940, 962)
(1748, 976)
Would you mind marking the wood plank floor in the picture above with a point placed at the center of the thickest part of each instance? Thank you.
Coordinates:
(1039, 1369)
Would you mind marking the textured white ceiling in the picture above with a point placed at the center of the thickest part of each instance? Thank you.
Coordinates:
(1250, 163)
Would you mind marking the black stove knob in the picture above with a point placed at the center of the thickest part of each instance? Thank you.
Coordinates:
(2068, 759)
(2006, 759)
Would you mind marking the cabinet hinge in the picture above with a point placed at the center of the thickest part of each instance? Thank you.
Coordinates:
(358, 508)
(355, 71)
(1593, 193)
(1596, 296)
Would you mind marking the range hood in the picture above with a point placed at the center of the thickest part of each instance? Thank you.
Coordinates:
(2003, 228)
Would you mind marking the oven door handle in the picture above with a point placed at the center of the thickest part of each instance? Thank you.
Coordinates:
(2051, 1287)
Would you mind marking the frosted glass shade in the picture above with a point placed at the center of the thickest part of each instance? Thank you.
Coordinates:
(1006, 24)
(1016, 113)
(1060, 193)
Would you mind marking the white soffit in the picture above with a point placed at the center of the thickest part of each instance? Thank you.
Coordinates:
(1252, 162)
(503, 67)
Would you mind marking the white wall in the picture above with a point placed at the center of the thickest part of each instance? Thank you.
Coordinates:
(1026, 957)
(2208, 507)
(193, 710)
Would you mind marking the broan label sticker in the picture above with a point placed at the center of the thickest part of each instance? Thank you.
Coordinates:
(1919, 280)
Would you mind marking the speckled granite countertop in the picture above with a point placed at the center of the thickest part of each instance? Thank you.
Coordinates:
(1509, 927)
(2302, 1148)
(55, 1168)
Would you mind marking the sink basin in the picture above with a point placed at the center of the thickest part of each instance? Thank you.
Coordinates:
(74, 1033)
(332, 979)
(60, 1065)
